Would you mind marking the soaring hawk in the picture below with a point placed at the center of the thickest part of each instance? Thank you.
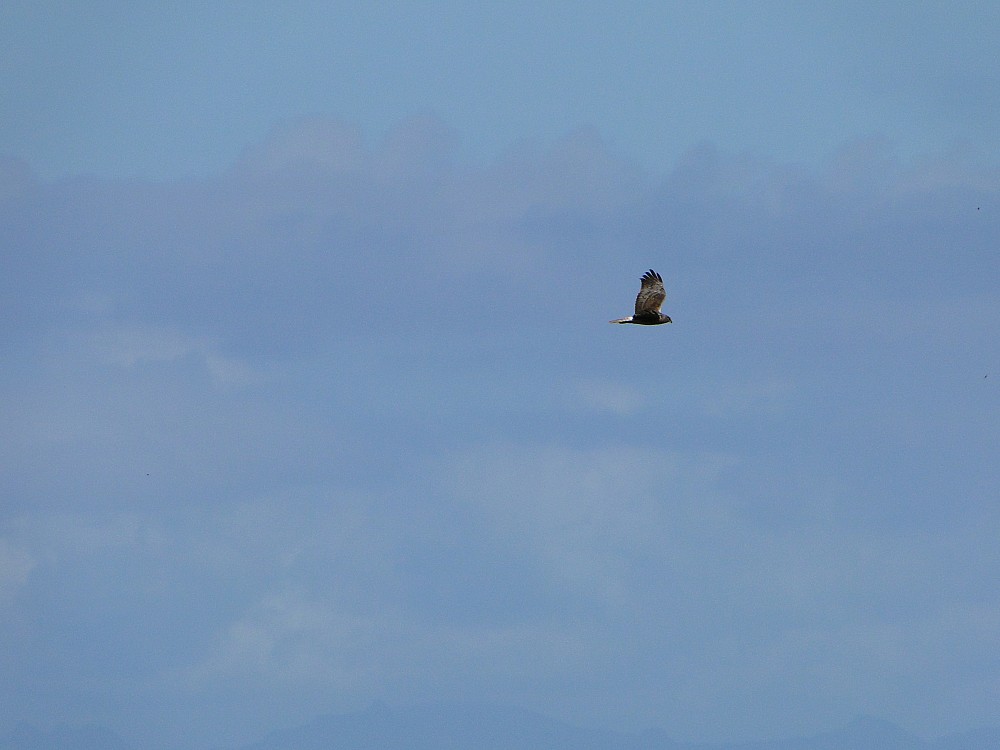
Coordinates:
(647, 303)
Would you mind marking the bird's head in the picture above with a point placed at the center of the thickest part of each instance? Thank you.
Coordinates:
(666, 318)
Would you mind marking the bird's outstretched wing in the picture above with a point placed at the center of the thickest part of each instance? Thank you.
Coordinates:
(651, 295)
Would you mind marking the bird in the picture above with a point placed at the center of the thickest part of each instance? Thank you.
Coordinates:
(647, 302)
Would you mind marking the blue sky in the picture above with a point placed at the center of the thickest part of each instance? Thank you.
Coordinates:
(310, 399)
(155, 90)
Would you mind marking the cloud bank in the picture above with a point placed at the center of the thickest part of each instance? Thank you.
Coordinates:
(346, 423)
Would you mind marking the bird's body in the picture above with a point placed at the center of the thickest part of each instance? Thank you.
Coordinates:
(648, 301)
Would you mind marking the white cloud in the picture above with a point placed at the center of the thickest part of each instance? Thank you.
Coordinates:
(742, 397)
(291, 639)
(127, 346)
(308, 143)
(608, 396)
(585, 517)
(58, 537)
(131, 345)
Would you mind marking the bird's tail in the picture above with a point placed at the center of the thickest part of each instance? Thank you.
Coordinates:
(622, 320)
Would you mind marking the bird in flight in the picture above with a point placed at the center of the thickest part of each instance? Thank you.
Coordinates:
(648, 301)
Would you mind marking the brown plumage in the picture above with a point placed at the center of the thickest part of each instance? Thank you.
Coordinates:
(647, 303)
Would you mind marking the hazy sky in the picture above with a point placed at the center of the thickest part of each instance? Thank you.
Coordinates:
(309, 397)
(172, 89)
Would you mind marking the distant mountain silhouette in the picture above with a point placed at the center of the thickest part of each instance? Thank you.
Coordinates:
(977, 739)
(477, 727)
(451, 727)
(27, 737)
(482, 727)
(864, 733)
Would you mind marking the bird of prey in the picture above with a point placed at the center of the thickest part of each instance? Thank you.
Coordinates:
(647, 303)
